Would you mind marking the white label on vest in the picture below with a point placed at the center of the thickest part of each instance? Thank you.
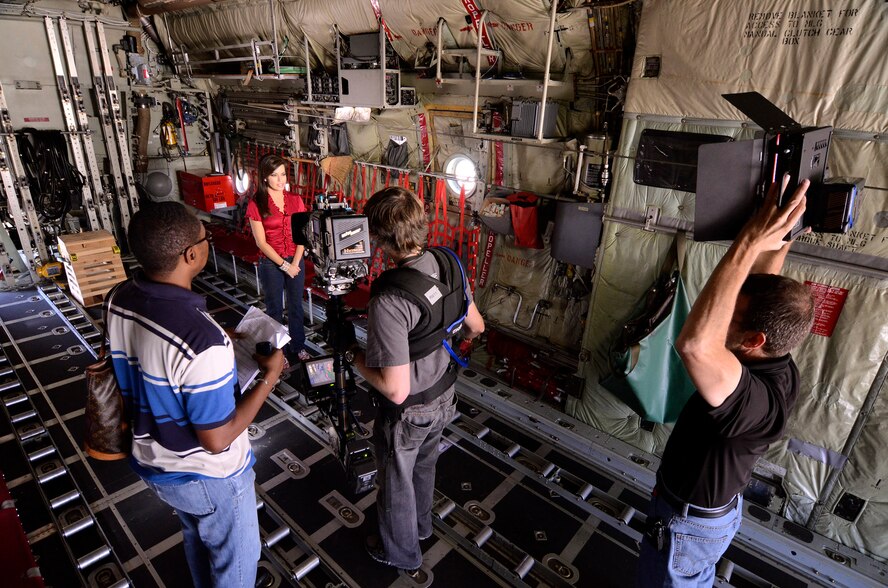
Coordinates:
(433, 295)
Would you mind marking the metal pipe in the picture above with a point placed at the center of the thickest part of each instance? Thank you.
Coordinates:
(578, 173)
(546, 73)
(477, 73)
(143, 130)
(274, 39)
(440, 47)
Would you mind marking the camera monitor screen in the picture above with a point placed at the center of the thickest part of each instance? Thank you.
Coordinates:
(320, 372)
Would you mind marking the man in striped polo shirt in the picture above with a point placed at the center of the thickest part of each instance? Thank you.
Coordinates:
(175, 366)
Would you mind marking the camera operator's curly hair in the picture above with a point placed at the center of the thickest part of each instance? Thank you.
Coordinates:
(397, 220)
(779, 307)
(158, 234)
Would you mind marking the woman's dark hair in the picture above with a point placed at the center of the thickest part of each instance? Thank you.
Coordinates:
(397, 220)
(158, 234)
(267, 165)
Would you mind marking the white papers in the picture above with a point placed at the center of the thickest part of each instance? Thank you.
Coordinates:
(256, 326)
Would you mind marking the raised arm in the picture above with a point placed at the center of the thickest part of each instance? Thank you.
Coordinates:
(702, 344)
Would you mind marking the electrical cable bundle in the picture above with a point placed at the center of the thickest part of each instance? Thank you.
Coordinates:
(55, 184)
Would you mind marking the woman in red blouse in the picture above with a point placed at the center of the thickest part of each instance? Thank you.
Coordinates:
(281, 267)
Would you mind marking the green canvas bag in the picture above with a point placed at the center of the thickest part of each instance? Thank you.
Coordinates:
(647, 372)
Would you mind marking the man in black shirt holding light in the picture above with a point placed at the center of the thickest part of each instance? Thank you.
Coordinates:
(735, 346)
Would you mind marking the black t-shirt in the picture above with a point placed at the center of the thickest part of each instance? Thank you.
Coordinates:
(711, 452)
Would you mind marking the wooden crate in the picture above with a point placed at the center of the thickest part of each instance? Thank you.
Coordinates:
(92, 262)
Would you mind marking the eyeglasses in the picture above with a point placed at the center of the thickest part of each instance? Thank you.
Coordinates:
(208, 238)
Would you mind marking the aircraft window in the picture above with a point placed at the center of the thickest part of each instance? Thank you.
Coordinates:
(464, 174)
(241, 181)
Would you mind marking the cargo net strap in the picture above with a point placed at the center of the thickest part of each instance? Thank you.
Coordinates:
(366, 179)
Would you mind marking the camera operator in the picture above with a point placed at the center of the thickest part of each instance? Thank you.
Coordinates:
(735, 345)
(413, 410)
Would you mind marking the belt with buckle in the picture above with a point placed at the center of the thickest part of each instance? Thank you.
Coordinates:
(694, 511)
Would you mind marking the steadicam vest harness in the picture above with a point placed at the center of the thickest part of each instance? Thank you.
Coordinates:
(443, 305)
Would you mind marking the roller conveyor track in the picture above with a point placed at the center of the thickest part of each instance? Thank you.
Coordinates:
(70, 526)
(525, 496)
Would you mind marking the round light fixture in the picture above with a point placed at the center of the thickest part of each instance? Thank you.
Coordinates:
(462, 173)
(241, 182)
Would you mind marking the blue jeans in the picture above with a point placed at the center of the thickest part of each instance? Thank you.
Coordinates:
(692, 546)
(220, 528)
(273, 282)
(406, 453)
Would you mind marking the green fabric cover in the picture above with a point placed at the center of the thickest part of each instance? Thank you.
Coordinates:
(657, 386)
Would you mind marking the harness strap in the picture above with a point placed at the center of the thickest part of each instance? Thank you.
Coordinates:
(424, 397)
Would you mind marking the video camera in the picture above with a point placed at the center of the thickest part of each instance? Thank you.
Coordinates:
(338, 242)
(731, 177)
(320, 386)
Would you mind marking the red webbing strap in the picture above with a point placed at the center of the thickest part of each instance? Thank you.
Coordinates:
(256, 163)
(388, 178)
(474, 12)
(424, 147)
(420, 188)
(297, 177)
(353, 188)
(497, 151)
(365, 187)
(373, 181)
(440, 227)
(462, 218)
(404, 180)
(312, 180)
(474, 238)
(433, 222)
(488, 257)
(388, 32)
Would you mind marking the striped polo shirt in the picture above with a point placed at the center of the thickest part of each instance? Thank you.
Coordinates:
(175, 367)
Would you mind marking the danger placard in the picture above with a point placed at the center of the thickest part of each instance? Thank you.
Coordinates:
(828, 304)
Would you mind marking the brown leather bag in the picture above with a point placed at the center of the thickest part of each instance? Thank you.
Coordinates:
(108, 435)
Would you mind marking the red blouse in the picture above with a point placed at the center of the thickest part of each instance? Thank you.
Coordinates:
(278, 231)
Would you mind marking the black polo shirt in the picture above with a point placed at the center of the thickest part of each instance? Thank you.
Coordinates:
(711, 452)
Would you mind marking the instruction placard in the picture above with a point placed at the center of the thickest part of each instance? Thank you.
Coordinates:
(828, 304)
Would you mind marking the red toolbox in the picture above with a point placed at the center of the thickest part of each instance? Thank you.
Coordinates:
(206, 190)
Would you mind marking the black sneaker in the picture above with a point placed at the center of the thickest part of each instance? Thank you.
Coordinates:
(418, 575)
(373, 545)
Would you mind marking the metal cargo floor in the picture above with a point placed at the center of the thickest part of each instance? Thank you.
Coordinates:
(524, 495)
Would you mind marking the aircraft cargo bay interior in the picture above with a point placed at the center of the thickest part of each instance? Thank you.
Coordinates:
(443, 292)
